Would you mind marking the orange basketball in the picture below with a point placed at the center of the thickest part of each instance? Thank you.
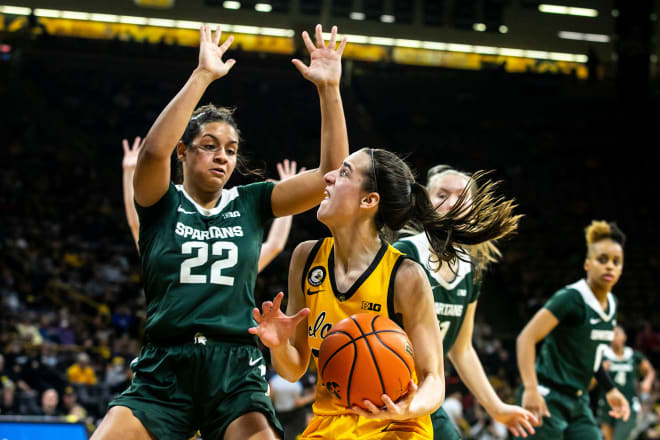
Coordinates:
(365, 356)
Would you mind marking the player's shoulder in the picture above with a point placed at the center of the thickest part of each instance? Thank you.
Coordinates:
(303, 250)
(409, 274)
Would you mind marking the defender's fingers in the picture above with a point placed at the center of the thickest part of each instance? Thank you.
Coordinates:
(301, 67)
(216, 37)
(333, 38)
(136, 143)
(224, 46)
(342, 45)
(308, 42)
(319, 36)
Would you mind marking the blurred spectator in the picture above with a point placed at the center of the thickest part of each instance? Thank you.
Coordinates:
(453, 406)
(118, 375)
(289, 402)
(27, 329)
(9, 404)
(49, 401)
(648, 342)
(81, 372)
(70, 406)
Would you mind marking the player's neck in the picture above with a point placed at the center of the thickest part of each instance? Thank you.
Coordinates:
(354, 247)
(448, 270)
(206, 200)
(618, 350)
(600, 292)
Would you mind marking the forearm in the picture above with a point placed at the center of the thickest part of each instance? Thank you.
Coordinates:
(288, 362)
(474, 377)
(429, 396)
(334, 136)
(526, 355)
(129, 204)
(172, 121)
(274, 244)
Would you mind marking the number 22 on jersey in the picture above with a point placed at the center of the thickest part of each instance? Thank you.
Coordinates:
(202, 249)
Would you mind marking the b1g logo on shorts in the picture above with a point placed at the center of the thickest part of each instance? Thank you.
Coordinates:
(316, 276)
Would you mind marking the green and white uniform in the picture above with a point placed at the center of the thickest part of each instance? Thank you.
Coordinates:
(451, 302)
(624, 371)
(200, 368)
(571, 353)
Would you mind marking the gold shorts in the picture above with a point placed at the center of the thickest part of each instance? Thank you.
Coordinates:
(350, 426)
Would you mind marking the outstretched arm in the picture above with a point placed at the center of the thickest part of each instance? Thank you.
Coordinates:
(305, 190)
(279, 230)
(128, 169)
(469, 368)
(538, 328)
(286, 335)
(152, 173)
(413, 299)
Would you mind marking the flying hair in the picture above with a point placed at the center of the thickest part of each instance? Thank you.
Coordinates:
(403, 200)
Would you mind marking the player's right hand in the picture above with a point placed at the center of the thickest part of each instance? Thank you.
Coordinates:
(533, 402)
(210, 54)
(274, 328)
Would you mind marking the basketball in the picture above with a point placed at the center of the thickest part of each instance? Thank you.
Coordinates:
(365, 356)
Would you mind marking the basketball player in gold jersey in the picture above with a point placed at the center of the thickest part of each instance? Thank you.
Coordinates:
(355, 271)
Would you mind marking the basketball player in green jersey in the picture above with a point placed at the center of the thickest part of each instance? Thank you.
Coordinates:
(577, 324)
(624, 365)
(455, 293)
(277, 233)
(199, 244)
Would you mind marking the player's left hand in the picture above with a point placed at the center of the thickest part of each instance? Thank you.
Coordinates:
(517, 419)
(392, 411)
(325, 60)
(619, 404)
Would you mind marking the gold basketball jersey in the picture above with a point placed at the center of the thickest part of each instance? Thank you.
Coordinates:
(372, 292)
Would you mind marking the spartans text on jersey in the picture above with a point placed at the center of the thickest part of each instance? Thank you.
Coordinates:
(212, 232)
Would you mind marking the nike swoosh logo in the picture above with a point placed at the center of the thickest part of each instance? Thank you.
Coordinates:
(593, 321)
(184, 211)
(314, 292)
(254, 362)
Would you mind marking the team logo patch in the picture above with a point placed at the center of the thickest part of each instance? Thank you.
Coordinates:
(316, 276)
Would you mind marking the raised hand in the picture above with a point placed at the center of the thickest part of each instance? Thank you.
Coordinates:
(517, 419)
(287, 169)
(325, 61)
(131, 153)
(392, 411)
(274, 327)
(210, 54)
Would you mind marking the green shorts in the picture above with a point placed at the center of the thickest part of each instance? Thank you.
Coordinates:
(443, 427)
(180, 389)
(622, 430)
(571, 418)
